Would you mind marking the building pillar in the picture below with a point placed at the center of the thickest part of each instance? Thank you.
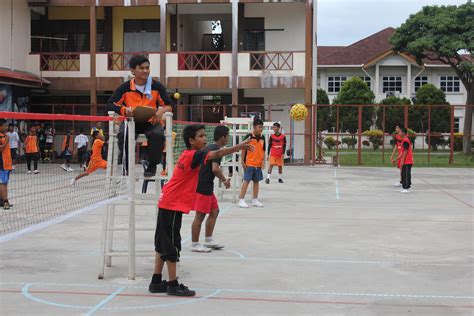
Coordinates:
(235, 56)
(93, 51)
(377, 82)
(409, 81)
(163, 42)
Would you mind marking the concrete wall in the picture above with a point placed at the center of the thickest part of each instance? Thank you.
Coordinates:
(15, 34)
(287, 16)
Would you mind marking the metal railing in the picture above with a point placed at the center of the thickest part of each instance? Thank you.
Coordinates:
(199, 61)
(271, 61)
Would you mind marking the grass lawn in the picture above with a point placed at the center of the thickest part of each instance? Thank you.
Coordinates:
(371, 158)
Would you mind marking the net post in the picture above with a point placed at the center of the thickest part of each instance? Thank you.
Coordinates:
(131, 199)
(169, 144)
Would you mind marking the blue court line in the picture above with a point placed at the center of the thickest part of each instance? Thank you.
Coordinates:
(235, 252)
(337, 184)
(26, 293)
(104, 301)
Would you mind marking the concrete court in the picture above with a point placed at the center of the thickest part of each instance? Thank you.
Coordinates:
(328, 242)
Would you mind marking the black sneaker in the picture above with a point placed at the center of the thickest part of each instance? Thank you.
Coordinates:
(150, 171)
(161, 287)
(280, 180)
(180, 290)
(267, 181)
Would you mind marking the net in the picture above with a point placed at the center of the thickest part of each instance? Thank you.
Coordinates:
(45, 161)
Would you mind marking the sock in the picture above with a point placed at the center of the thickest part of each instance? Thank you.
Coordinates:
(242, 200)
(268, 176)
(194, 244)
(173, 283)
(208, 239)
(280, 176)
(156, 278)
(253, 200)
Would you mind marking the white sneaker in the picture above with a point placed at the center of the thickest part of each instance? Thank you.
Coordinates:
(69, 169)
(243, 204)
(63, 166)
(397, 184)
(213, 245)
(200, 248)
(73, 182)
(36, 172)
(256, 203)
(405, 191)
(28, 172)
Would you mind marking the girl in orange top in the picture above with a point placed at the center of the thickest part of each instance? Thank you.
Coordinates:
(96, 161)
(5, 164)
(32, 150)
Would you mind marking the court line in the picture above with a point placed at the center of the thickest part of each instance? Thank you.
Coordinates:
(57, 220)
(337, 184)
(350, 219)
(104, 301)
(448, 194)
(242, 299)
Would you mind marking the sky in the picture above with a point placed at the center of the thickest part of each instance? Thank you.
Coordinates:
(343, 22)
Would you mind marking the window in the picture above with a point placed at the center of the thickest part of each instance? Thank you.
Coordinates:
(420, 81)
(366, 79)
(335, 83)
(450, 83)
(392, 84)
(456, 124)
(254, 34)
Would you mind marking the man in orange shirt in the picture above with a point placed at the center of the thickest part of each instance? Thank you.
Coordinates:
(5, 164)
(253, 162)
(32, 152)
(96, 162)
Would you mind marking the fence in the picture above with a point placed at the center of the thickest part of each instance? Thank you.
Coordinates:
(437, 140)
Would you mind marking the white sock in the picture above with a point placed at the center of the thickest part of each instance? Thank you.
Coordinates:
(208, 239)
(268, 176)
(195, 244)
(242, 200)
(255, 200)
(280, 176)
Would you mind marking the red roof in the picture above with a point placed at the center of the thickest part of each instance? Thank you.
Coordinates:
(21, 78)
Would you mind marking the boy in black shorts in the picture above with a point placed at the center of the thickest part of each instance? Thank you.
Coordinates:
(177, 197)
(206, 201)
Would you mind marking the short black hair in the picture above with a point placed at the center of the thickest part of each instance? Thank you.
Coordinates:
(137, 60)
(277, 124)
(404, 130)
(95, 133)
(11, 124)
(190, 131)
(220, 131)
(257, 122)
(81, 130)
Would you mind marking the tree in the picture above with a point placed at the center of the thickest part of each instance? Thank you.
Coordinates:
(325, 115)
(442, 33)
(394, 115)
(429, 94)
(355, 91)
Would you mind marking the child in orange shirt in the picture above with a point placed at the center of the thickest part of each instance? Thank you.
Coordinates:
(32, 150)
(5, 164)
(96, 162)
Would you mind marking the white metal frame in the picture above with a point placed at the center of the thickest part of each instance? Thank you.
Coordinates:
(134, 199)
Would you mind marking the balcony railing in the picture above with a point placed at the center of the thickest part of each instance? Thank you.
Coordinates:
(60, 62)
(121, 60)
(199, 61)
(271, 61)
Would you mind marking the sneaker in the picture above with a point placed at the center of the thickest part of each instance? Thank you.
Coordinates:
(397, 184)
(256, 203)
(69, 169)
(243, 204)
(200, 248)
(405, 191)
(280, 180)
(63, 166)
(150, 171)
(267, 181)
(84, 168)
(73, 182)
(213, 245)
(161, 287)
(36, 172)
(28, 172)
(6, 205)
(180, 290)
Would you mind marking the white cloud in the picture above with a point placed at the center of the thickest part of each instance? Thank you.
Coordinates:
(342, 22)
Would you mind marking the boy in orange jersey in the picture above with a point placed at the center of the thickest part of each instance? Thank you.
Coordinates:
(5, 164)
(276, 149)
(253, 163)
(66, 153)
(32, 152)
(96, 162)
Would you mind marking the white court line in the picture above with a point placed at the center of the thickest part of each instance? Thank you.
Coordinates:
(104, 301)
(58, 220)
(337, 184)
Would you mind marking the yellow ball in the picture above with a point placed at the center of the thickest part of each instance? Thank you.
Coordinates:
(176, 95)
(298, 112)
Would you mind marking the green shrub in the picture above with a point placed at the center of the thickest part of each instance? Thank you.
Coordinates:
(330, 142)
(435, 140)
(349, 141)
(366, 143)
(458, 141)
(375, 137)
